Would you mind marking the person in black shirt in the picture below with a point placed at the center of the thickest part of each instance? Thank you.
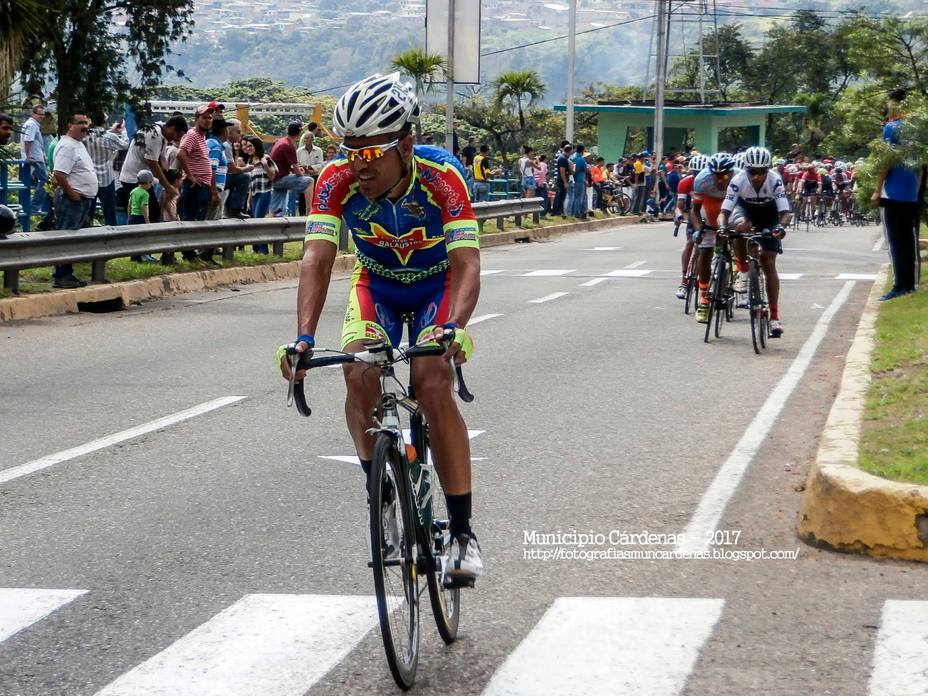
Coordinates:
(562, 179)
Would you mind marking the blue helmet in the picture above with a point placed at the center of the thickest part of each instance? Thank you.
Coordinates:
(721, 162)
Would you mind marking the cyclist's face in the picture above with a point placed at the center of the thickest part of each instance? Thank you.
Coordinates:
(757, 175)
(721, 178)
(377, 176)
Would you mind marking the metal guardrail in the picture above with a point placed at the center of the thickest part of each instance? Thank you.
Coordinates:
(97, 244)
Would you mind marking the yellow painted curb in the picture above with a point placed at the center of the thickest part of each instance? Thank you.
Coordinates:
(846, 509)
(58, 302)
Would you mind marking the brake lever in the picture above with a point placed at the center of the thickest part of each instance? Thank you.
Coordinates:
(295, 391)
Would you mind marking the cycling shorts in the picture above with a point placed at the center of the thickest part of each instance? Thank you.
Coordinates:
(761, 218)
(809, 188)
(376, 306)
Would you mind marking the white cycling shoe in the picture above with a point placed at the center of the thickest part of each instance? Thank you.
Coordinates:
(461, 564)
(776, 328)
(741, 282)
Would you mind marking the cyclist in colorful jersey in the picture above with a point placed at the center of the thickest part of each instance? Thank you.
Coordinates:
(842, 183)
(709, 189)
(828, 190)
(756, 199)
(811, 182)
(409, 214)
(684, 195)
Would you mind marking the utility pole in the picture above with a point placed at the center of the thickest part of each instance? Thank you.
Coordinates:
(571, 54)
(449, 104)
(659, 84)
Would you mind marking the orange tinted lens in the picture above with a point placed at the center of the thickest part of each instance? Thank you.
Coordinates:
(368, 154)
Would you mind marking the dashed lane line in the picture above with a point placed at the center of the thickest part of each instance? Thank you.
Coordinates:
(548, 298)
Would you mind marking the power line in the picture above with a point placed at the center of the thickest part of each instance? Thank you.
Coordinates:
(564, 36)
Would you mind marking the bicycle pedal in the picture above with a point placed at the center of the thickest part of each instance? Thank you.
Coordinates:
(450, 583)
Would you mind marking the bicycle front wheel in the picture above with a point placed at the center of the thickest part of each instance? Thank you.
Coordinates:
(722, 299)
(446, 602)
(393, 560)
(715, 288)
(755, 308)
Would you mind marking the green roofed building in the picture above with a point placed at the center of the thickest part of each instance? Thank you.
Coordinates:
(698, 125)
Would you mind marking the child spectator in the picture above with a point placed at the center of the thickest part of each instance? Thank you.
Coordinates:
(138, 208)
(168, 202)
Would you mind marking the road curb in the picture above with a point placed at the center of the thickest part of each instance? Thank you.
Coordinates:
(59, 302)
(843, 508)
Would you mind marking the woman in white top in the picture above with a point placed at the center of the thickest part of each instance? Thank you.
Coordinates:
(527, 172)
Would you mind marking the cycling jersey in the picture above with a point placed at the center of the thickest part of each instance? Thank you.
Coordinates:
(685, 189)
(827, 187)
(771, 194)
(707, 192)
(402, 246)
(841, 180)
(405, 240)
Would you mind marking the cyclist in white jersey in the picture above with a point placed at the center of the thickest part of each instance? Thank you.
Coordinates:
(756, 198)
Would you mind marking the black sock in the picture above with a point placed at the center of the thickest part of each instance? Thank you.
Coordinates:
(459, 507)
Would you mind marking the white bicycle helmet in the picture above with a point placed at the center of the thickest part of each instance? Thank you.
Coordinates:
(721, 162)
(757, 157)
(738, 157)
(376, 105)
(697, 163)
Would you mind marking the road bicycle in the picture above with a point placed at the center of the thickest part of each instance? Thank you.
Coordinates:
(614, 200)
(721, 286)
(758, 307)
(409, 527)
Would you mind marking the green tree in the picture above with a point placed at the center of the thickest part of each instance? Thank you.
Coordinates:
(89, 48)
(423, 68)
(892, 51)
(518, 86)
(18, 23)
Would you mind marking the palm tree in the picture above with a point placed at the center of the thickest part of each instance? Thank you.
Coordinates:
(422, 67)
(18, 20)
(515, 85)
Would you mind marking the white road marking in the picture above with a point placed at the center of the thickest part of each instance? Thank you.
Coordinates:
(482, 317)
(549, 272)
(901, 650)
(114, 439)
(640, 645)
(604, 249)
(591, 283)
(878, 244)
(407, 437)
(856, 276)
(548, 298)
(790, 276)
(22, 606)
(723, 486)
(635, 265)
(483, 273)
(273, 645)
(628, 273)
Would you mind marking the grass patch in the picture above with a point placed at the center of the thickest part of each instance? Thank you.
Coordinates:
(894, 434)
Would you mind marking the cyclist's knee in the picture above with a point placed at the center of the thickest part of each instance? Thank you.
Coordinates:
(433, 385)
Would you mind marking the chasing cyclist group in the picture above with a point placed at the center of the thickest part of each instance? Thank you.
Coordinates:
(747, 191)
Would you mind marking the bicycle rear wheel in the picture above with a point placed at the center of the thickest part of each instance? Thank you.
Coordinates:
(764, 317)
(446, 602)
(393, 560)
(722, 300)
(692, 285)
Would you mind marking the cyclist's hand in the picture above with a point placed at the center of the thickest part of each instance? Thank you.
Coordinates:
(461, 346)
(301, 345)
(779, 232)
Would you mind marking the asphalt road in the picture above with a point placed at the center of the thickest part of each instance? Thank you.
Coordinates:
(225, 553)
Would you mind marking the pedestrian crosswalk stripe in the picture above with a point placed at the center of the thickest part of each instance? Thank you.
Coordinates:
(21, 607)
(267, 644)
(790, 276)
(609, 645)
(901, 654)
(548, 298)
(549, 272)
(591, 283)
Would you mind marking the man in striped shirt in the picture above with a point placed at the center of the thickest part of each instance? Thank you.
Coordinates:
(199, 188)
(103, 146)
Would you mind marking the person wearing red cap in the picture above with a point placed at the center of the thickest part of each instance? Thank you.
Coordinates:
(199, 188)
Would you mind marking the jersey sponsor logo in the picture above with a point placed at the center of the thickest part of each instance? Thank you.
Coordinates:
(453, 199)
(331, 181)
(414, 209)
(322, 227)
(429, 316)
(734, 187)
(462, 236)
(403, 246)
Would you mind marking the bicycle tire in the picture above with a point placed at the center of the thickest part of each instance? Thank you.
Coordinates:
(754, 307)
(446, 602)
(396, 582)
(765, 308)
(718, 266)
(721, 311)
(692, 284)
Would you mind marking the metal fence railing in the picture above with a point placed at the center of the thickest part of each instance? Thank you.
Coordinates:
(98, 244)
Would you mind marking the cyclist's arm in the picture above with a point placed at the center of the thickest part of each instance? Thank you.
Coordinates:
(695, 216)
(465, 283)
(315, 274)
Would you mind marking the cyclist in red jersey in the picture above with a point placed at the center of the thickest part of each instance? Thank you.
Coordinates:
(684, 194)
